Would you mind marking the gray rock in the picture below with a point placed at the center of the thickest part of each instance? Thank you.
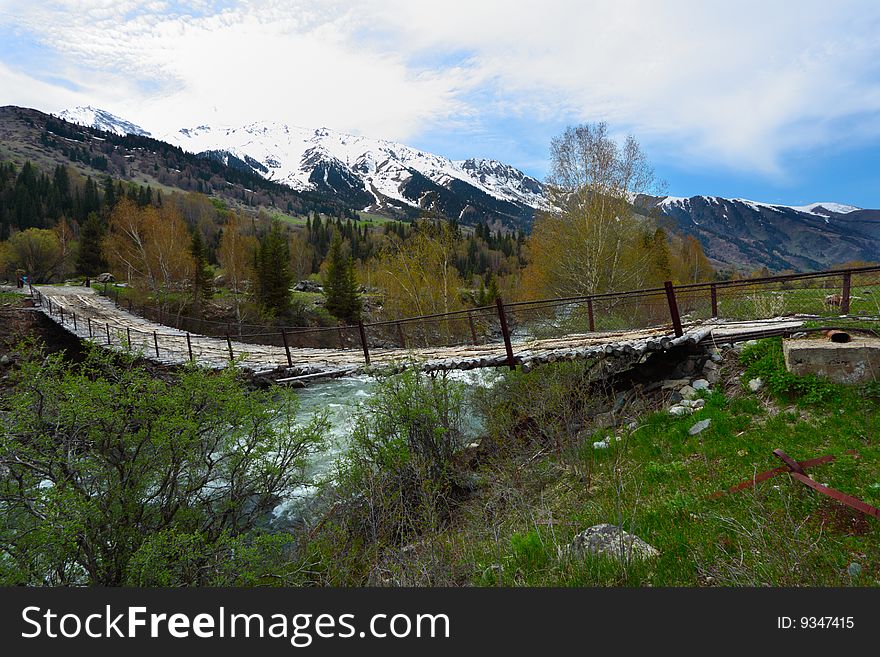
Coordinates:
(106, 277)
(713, 376)
(700, 384)
(756, 384)
(798, 335)
(5, 360)
(674, 383)
(611, 541)
(308, 286)
(854, 569)
(699, 427)
(697, 404)
(603, 420)
(687, 392)
(680, 410)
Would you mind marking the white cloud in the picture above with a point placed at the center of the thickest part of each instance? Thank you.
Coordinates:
(731, 84)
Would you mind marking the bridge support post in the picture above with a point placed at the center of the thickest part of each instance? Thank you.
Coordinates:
(229, 344)
(363, 334)
(189, 347)
(590, 317)
(713, 290)
(89, 320)
(61, 314)
(286, 347)
(505, 332)
(107, 328)
(401, 336)
(471, 325)
(673, 308)
(844, 298)
(128, 333)
(74, 322)
(156, 343)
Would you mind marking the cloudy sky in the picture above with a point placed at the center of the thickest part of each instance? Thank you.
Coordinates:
(771, 100)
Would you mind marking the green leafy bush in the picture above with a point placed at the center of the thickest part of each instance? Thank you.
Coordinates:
(398, 476)
(101, 460)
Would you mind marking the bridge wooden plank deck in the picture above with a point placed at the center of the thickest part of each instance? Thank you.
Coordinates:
(104, 316)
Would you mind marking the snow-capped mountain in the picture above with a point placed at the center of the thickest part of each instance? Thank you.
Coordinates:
(367, 173)
(364, 173)
(374, 172)
(742, 232)
(93, 117)
(820, 209)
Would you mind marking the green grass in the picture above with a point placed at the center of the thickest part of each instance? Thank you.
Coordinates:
(367, 219)
(10, 297)
(656, 482)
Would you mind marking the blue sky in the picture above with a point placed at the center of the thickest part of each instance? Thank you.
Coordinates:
(763, 100)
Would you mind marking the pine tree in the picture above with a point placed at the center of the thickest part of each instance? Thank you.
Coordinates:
(91, 259)
(273, 274)
(340, 285)
(203, 278)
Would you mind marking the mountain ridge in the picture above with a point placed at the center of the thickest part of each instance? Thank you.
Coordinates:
(387, 177)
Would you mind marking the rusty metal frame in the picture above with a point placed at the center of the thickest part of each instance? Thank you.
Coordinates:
(796, 469)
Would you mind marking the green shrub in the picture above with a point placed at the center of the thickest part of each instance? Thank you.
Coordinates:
(397, 477)
(106, 465)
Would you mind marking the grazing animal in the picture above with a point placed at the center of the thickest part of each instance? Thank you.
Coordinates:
(834, 300)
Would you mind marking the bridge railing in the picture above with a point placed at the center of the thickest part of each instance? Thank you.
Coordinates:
(853, 292)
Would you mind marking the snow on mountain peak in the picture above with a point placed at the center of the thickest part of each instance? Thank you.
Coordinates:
(822, 209)
(93, 117)
(292, 153)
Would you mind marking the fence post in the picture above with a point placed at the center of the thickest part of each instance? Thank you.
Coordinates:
(229, 344)
(401, 336)
(49, 299)
(128, 333)
(341, 339)
(505, 332)
(156, 343)
(74, 322)
(363, 333)
(61, 314)
(189, 347)
(844, 300)
(107, 328)
(713, 290)
(590, 316)
(673, 308)
(473, 330)
(286, 347)
(89, 320)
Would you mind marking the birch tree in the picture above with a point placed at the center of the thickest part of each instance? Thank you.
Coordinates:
(590, 240)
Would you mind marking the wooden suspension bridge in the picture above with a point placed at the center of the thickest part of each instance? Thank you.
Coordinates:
(644, 321)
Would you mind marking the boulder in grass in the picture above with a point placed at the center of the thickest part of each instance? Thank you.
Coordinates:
(106, 277)
(611, 541)
(699, 427)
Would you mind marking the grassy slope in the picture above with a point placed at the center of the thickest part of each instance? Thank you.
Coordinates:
(655, 482)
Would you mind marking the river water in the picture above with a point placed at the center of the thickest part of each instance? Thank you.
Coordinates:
(340, 398)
